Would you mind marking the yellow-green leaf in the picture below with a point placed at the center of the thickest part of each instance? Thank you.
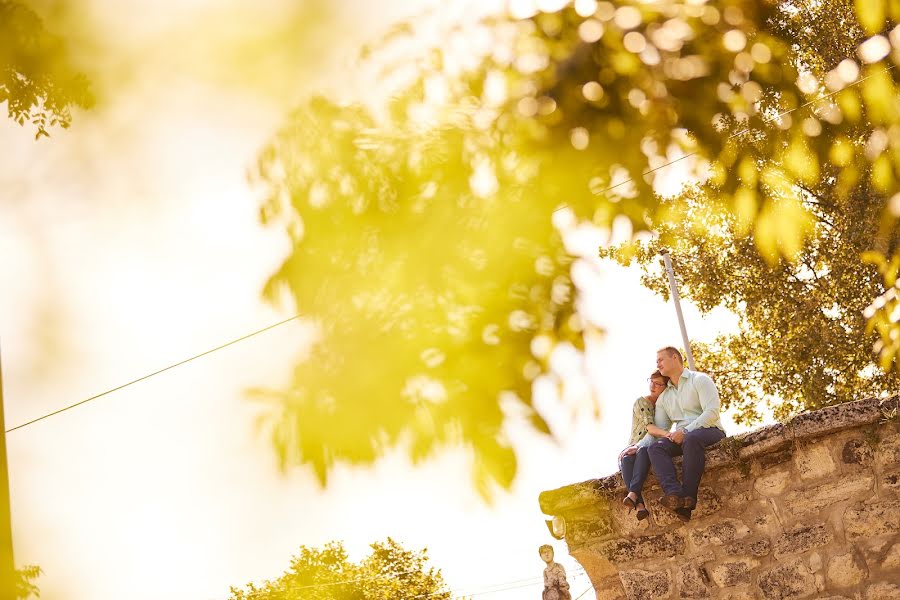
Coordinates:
(870, 14)
(880, 96)
(765, 236)
(745, 209)
(800, 160)
(883, 174)
(748, 171)
(848, 102)
(841, 153)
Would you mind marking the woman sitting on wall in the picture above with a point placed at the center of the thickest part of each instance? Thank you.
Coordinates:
(634, 462)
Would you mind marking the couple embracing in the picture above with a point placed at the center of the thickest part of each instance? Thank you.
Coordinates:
(690, 401)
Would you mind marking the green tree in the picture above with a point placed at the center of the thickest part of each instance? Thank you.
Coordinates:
(421, 235)
(802, 341)
(37, 80)
(388, 573)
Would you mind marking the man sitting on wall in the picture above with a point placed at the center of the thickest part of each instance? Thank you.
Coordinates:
(691, 402)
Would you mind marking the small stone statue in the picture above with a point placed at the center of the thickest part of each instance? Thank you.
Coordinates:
(555, 585)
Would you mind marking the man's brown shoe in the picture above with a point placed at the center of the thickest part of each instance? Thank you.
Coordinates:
(683, 513)
(671, 501)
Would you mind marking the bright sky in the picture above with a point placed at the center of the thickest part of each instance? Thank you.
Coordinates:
(131, 242)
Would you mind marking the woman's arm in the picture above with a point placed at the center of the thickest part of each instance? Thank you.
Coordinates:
(655, 431)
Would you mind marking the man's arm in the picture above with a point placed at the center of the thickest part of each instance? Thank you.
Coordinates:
(709, 402)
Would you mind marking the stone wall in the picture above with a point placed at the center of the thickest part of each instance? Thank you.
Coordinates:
(806, 509)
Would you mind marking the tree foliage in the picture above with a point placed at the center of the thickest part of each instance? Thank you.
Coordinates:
(37, 80)
(422, 237)
(803, 340)
(388, 573)
(24, 584)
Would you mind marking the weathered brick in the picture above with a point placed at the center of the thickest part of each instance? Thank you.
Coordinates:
(648, 546)
(757, 548)
(771, 460)
(772, 484)
(888, 452)
(890, 483)
(719, 533)
(800, 502)
(610, 588)
(872, 520)
(692, 582)
(857, 452)
(579, 531)
(733, 572)
(738, 594)
(883, 591)
(640, 585)
(814, 462)
(847, 570)
(891, 557)
(790, 580)
(801, 539)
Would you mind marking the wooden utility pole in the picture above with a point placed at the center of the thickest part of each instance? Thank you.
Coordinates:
(7, 568)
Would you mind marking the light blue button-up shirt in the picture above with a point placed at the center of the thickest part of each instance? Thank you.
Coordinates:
(691, 403)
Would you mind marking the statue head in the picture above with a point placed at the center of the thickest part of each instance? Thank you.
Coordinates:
(546, 552)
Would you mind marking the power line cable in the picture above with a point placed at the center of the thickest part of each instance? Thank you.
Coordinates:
(585, 592)
(163, 370)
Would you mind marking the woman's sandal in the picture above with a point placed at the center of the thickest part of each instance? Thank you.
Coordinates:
(642, 512)
(630, 502)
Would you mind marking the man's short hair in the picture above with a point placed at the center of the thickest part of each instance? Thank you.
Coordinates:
(672, 351)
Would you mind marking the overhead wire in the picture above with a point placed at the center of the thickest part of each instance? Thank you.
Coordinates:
(153, 374)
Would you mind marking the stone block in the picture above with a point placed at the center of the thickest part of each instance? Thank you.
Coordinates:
(814, 462)
(609, 588)
(888, 452)
(692, 582)
(767, 462)
(580, 531)
(764, 520)
(789, 580)
(733, 571)
(625, 520)
(737, 502)
(802, 538)
(640, 585)
(890, 484)
(883, 591)
(857, 452)
(772, 484)
(623, 550)
(757, 548)
(892, 557)
(846, 570)
(805, 501)
(719, 533)
(738, 594)
(872, 520)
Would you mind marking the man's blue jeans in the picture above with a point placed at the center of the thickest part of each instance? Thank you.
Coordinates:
(693, 448)
(635, 468)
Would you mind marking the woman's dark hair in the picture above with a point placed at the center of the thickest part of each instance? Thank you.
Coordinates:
(658, 375)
